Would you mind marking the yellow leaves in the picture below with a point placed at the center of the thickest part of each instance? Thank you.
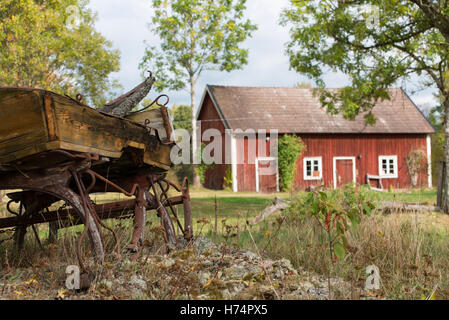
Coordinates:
(18, 293)
(230, 25)
(31, 281)
(208, 283)
(62, 293)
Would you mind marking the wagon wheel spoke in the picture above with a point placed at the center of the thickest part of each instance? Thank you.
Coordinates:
(167, 223)
(166, 201)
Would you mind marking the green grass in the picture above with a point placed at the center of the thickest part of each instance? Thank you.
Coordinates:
(410, 249)
(424, 196)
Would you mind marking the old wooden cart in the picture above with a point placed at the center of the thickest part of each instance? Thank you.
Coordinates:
(54, 148)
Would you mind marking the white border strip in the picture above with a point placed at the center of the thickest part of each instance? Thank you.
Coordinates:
(234, 163)
(334, 169)
(429, 160)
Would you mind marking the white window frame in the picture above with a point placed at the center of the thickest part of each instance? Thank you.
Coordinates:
(320, 168)
(395, 166)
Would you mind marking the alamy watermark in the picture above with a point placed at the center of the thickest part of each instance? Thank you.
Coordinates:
(74, 17)
(373, 280)
(73, 280)
(230, 147)
(371, 13)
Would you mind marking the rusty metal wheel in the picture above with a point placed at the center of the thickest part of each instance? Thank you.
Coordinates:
(31, 204)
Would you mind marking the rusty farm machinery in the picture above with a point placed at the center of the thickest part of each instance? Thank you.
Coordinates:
(54, 148)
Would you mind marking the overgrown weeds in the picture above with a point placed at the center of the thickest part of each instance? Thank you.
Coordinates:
(410, 249)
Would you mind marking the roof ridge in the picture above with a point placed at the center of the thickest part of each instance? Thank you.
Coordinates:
(277, 87)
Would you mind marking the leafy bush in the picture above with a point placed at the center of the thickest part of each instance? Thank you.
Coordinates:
(227, 181)
(202, 168)
(336, 211)
(290, 148)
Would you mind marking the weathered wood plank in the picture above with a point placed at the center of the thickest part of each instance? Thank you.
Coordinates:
(277, 206)
(49, 121)
(22, 123)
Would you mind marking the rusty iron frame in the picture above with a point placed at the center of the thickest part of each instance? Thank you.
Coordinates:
(43, 188)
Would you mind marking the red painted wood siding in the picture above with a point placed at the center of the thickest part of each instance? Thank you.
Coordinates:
(246, 172)
(213, 177)
(370, 147)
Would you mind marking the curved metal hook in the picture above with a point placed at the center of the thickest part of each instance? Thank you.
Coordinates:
(155, 101)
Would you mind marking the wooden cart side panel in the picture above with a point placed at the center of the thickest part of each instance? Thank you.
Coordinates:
(155, 119)
(23, 129)
(159, 156)
(50, 117)
(83, 129)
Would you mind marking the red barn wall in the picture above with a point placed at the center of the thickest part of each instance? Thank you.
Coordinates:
(370, 147)
(246, 171)
(328, 146)
(210, 119)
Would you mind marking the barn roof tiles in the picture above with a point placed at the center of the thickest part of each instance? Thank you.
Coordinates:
(297, 110)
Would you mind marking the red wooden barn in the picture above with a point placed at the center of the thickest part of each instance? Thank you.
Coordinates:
(338, 151)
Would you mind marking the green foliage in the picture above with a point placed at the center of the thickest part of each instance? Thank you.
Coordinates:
(290, 148)
(43, 45)
(196, 35)
(374, 50)
(202, 168)
(227, 180)
(415, 162)
(182, 117)
(336, 211)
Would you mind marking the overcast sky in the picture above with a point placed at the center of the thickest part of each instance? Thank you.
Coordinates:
(124, 23)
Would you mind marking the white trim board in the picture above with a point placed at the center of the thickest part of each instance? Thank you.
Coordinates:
(334, 169)
(429, 161)
(234, 163)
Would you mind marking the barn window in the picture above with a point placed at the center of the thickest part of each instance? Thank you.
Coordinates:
(313, 169)
(388, 166)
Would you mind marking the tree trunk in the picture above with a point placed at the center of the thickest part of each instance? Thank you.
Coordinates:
(445, 195)
(196, 177)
